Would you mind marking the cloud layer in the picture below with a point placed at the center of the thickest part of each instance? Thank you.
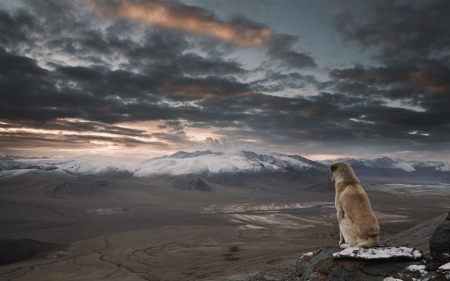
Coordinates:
(166, 76)
(187, 18)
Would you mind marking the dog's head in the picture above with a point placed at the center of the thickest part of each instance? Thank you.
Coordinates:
(333, 168)
(342, 172)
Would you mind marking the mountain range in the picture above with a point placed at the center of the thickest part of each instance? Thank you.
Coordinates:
(208, 163)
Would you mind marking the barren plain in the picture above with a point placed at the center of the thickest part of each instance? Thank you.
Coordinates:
(126, 228)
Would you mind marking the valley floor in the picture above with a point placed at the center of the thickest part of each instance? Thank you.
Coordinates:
(144, 229)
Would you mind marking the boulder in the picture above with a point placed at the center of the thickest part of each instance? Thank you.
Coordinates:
(443, 273)
(440, 242)
(378, 263)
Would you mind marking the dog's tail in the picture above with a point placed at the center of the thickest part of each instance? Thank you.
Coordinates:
(372, 241)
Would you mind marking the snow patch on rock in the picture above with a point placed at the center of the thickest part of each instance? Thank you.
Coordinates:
(414, 268)
(378, 253)
(392, 279)
(445, 267)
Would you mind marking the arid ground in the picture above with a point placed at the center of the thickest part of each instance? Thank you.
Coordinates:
(145, 229)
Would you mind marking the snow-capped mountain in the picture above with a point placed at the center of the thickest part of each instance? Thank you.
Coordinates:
(85, 167)
(76, 166)
(392, 164)
(180, 163)
(381, 163)
(207, 162)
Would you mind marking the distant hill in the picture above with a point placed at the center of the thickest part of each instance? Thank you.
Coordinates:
(15, 250)
(395, 167)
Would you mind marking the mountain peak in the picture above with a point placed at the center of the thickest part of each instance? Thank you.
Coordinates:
(182, 154)
(208, 162)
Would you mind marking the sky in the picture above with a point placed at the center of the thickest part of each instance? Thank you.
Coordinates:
(135, 79)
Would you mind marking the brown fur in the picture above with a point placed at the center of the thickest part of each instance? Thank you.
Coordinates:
(357, 223)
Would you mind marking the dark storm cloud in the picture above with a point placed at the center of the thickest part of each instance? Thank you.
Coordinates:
(422, 84)
(327, 118)
(29, 92)
(11, 28)
(101, 94)
(74, 125)
(278, 82)
(280, 46)
(414, 44)
(403, 31)
(17, 65)
(239, 30)
(208, 87)
(80, 73)
(32, 93)
(103, 76)
(196, 65)
(414, 70)
(17, 140)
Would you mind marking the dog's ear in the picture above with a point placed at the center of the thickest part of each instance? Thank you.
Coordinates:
(333, 167)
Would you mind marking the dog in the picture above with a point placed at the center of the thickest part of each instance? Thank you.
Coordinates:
(358, 225)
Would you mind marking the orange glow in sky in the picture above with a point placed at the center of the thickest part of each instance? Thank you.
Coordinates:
(158, 14)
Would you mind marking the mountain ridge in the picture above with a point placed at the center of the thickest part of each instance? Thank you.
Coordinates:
(209, 163)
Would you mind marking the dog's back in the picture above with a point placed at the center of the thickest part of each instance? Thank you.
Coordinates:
(357, 222)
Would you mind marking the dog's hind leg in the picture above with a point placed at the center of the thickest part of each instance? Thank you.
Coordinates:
(369, 243)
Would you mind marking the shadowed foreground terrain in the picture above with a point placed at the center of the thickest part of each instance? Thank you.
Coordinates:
(125, 228)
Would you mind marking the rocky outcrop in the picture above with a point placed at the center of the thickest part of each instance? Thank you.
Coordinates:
(440, 242)
(371, 264)
(385, 263)
(15, 250)
(417, 236)
(194, 184)
(360, 264)
(443, 272)
(199, 184)
(379, 263)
